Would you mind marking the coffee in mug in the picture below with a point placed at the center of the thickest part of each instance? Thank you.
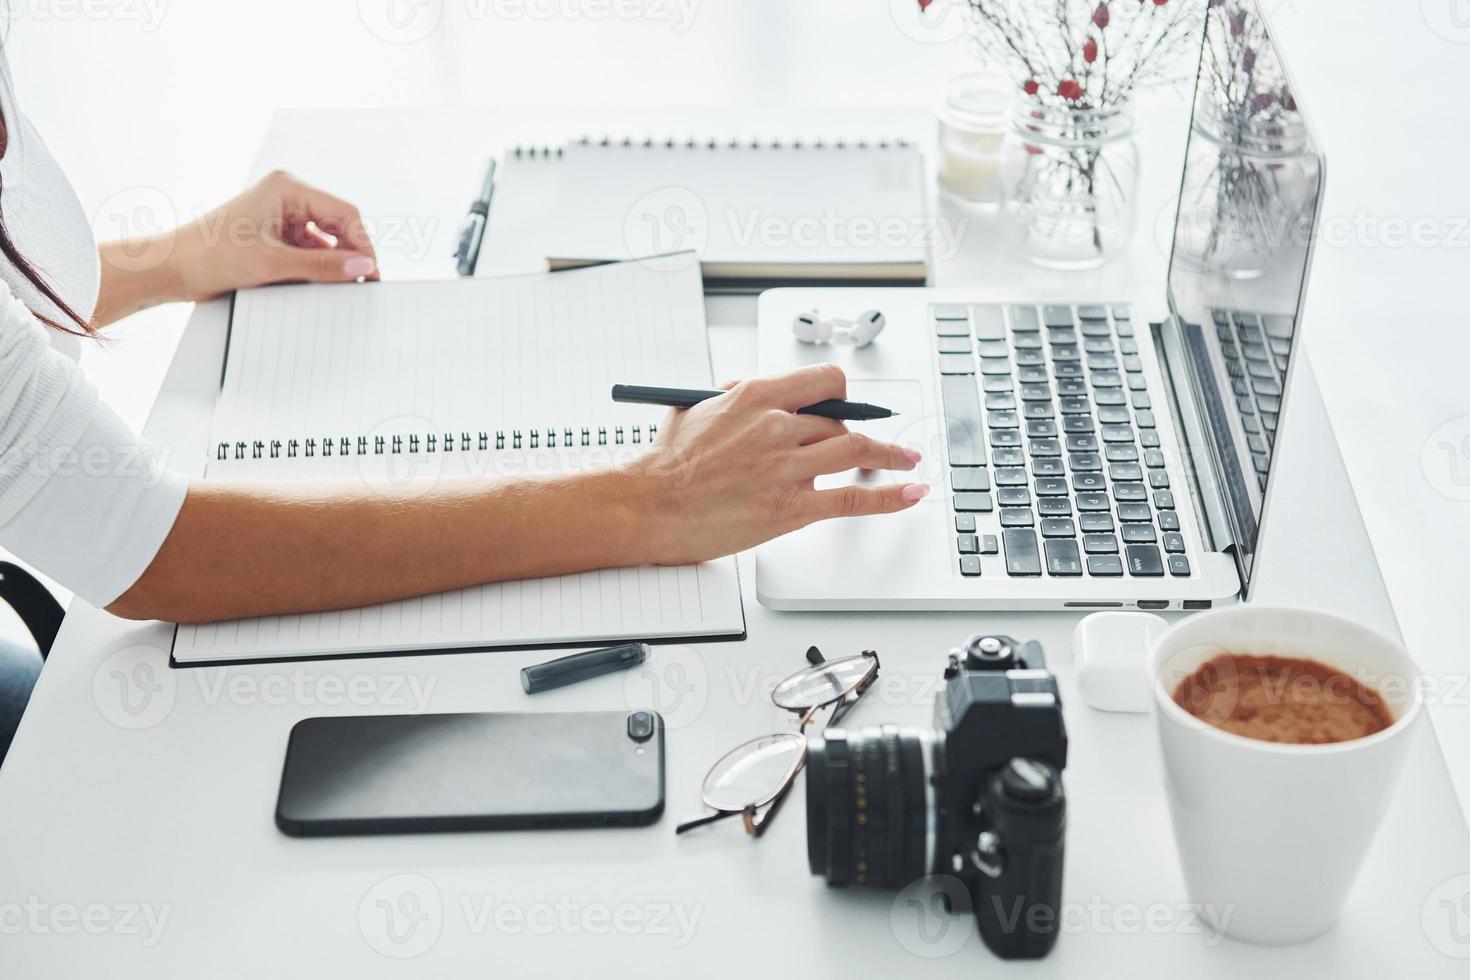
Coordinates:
(1282, 699)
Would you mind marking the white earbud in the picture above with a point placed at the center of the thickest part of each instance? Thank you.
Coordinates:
(812, 328)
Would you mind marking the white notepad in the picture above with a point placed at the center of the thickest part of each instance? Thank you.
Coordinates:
(380, 383)
(754, 211)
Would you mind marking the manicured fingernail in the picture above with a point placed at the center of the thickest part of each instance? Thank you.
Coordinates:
(915, 491)
(912, 455)
(359, 265)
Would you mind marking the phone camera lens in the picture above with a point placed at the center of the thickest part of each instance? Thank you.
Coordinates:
(640, 726)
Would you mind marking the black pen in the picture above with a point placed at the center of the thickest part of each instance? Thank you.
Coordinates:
(581, 666)
(832, 408)
(472, 231)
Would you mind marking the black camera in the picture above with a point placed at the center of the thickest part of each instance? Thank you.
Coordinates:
(979, 797)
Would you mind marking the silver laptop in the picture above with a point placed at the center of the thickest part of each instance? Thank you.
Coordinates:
(1087, 451)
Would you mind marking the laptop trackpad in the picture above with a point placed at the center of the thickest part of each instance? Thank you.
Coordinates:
(904, 396)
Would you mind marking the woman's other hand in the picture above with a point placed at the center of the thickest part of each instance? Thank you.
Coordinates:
(737, 470)
(279, 230)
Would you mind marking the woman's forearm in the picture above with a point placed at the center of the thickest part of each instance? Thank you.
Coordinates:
(240, 549)
(136, 275)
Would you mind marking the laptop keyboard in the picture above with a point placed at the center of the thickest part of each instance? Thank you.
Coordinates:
(1054, 454)
(1256, 347)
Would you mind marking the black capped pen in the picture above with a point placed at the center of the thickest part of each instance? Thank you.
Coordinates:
(581, 666)
(831, 408)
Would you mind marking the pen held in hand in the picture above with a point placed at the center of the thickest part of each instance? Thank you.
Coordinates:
(831, 408)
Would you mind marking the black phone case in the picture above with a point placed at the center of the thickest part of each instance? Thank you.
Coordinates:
(391, 774)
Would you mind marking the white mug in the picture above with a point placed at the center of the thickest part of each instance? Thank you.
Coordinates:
(1271, 835)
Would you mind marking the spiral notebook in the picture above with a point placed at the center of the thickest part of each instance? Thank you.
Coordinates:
(756, 212)
(381, 383)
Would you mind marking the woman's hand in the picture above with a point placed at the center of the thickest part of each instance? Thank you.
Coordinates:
(279, 230)
(737, 470)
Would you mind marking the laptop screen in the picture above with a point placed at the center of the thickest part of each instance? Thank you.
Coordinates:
(1242, 239)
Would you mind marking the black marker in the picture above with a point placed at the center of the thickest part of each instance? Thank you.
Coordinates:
(581, 666)
(831, 408)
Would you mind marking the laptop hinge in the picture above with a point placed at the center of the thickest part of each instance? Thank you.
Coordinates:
(1204, 488)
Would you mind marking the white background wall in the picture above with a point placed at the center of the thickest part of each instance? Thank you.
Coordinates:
(176, 94)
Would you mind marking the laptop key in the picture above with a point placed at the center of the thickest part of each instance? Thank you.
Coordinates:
(964, 523)
(1089, 481)
(1153, 458)
(1067, 369)
(1004, 420)
(1077, 423)
(989, 321)
(956, 364)
(1038, 410)
(1097, 523)
(1074, 406)
(1004, 439)
(1022, 555)
(1008, 457)
(1122, 452)
(1058, 316)
(1041, 428)
(1138, 533)
(997, 383)
(969, 565)
(1114, 414)
(1110, 396)
(1071, 386)
(1168, 520)
(1164, 500)
(1149, 438)
(1144, 560)
(963, 428)
(1051, 486)
(1010, 476)
(970, 478)
(1093, 312)
(1062, 557)
(1036, 393)
(1058, 527)
(950, 311)
(1173, 542)
(1100, 544)
(1104, 565)
(991, 366)
(974, 503)
(1047, 466)
(1134, 512)
(1146, 420)
(1117, 433)
(1032, 375)
(1013, 497)
(1081, 442)
(1029, 357)
(1054, 507)
(968, 544)
(999, 401)
(1092, 502)
(1016, 517)
(954, 345)
(1085, 462)
(1128, 472)
(989, 545)
(1046, 447)
(1158, 479)
(1023, 318)
(1132, 492)
(1178, 565)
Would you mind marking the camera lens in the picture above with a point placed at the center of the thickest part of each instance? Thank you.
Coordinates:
(870, 817)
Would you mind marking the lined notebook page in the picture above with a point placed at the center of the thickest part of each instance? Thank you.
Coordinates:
(385, 382)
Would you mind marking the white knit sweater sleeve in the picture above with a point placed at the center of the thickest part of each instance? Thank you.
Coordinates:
(82, 497)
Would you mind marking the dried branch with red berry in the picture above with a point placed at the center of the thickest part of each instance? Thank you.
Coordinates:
(1087, 54)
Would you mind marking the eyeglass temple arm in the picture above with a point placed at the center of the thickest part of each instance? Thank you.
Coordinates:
(701, 821)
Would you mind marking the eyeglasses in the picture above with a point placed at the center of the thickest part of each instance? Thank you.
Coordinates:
(753, 779)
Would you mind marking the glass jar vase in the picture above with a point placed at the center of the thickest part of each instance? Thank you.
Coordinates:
(1071, 179)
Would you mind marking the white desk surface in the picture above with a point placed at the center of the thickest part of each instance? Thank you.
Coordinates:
(133, 790)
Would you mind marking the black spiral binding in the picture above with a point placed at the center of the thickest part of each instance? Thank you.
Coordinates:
(709, 143)
(439, 442)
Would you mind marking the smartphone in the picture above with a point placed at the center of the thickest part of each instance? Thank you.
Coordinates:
(391, 774)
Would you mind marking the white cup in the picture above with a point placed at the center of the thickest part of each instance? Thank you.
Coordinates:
(1271, 835)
